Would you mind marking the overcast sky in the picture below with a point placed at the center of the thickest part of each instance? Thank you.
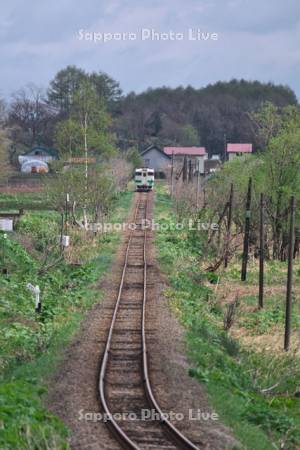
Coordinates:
(257, 39)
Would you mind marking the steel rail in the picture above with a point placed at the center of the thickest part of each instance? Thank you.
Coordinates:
(121, 436)
(112, 422)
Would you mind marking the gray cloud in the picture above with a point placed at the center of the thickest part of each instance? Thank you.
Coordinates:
(257, 40)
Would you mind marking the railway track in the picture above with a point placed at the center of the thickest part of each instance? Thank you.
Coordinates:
(124, 383)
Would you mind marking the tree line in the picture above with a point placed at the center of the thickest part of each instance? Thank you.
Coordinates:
(210, 116)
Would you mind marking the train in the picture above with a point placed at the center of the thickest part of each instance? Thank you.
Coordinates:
(144, 179)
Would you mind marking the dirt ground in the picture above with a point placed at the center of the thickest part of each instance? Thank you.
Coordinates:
(73, 389)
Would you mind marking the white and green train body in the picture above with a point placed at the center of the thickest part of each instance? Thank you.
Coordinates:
(144, 179)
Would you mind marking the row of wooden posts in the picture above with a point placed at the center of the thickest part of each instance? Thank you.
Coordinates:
(186, 172)
(245, 258)
(187, 176)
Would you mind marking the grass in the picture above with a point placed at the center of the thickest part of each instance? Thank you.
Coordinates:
(275, 272)
(31, 344)
(26, 200)
(268, 323)
(233, 374)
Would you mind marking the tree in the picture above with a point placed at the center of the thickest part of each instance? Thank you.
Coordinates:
(282, 166)
(93, 122)
(89, 114)
(134, 158)
(31, 117)
(105, 180)
(267, 122)
(63, 87)
(68, 138)
(189, 136)
(101, 192)
(5, 166)
(3, 111)
(154, 124)
(86, 132)
(107, 89)
(121, 170)
(65, 180)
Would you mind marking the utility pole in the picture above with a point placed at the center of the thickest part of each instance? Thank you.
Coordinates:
(86, 173)
(287, 332)
(261, 252)
(225, 148)
(247, 232)
(229, 220)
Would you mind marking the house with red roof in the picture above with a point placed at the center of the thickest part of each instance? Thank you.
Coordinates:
(188, 151)
(234, 150)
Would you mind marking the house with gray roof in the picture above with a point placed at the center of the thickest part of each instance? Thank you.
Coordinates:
(157, 159)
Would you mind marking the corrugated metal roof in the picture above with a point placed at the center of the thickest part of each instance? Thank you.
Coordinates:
(195, 151)
(239, 148)
(155, 147)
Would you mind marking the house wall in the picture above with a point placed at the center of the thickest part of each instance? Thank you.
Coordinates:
(156, 160)
(233, 155)
(198, 161)
(200, 164)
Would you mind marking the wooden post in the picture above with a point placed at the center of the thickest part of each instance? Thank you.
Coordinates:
(62, 231)
(261, 253)
(277, 226)
(67, 212)
(198, 184)
(297, 243)
(172, 174)
(229, 220)
(4, 268)
(247, 232)
(184, 171)
(287, 332)
(190, 171)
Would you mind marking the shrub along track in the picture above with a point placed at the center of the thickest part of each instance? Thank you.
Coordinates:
(74, 390)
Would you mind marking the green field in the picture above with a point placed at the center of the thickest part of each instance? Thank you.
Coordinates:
(31, 344)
